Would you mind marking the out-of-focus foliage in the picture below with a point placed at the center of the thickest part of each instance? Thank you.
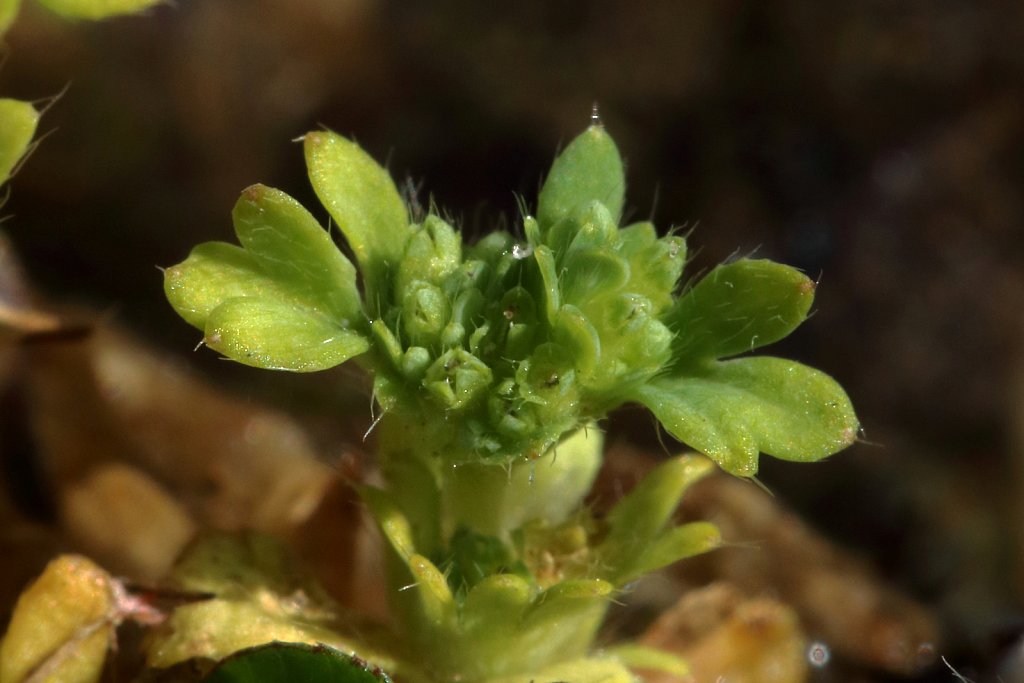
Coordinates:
(286, 662)
(78, 9)
(259, 595)
(18, 121)
(62, 626)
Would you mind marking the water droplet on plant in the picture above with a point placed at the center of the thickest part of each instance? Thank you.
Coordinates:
(818, 654)
(595, 116)
(519, 251)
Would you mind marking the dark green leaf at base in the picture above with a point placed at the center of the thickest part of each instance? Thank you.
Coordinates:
(293, 662)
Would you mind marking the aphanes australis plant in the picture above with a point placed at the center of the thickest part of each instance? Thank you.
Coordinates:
(493, 364)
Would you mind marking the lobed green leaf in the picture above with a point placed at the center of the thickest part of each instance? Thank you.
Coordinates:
(289, 245)
(363, 200)
(273, 334)
(735, 409)
(287, 301)
(590, 169)
(738, 307)
(213, 273)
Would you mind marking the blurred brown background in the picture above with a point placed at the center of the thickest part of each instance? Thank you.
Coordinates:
(878, 145)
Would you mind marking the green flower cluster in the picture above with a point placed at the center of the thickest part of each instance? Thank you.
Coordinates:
(506, 346)
(528, 339)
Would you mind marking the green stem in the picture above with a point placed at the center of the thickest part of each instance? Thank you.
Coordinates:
(493, 500)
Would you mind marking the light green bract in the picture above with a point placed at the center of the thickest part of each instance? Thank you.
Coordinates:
(492, 363)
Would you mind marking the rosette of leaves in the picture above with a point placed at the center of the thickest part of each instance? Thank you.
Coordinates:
(491, 363)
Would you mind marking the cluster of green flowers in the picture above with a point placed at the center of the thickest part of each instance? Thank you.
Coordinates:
(509, 344)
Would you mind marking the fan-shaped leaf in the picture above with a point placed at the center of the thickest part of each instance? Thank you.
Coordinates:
(732, 410)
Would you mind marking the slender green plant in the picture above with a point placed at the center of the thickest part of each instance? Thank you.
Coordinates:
(492, 365)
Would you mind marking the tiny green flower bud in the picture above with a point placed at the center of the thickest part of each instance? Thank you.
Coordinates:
(591, 274)
(433, 252)
(491, 247)
(517, 306)
(415, 362)
(596, 227)
(574, 332)
(457, 378)
(471, 274)
(519, 340)
(452, 335)
(658, 268)
(546, 375)
(532, 231)
(424, 313)
(467, 307)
